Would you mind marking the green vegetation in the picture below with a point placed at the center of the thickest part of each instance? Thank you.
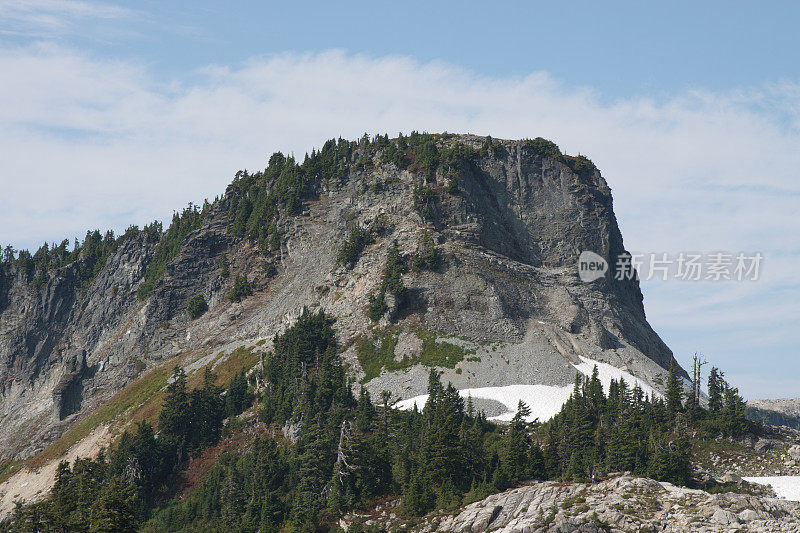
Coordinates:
(439, 353)
(373, 359)
(426, 158)
(196, 306)
(85, 497)
(237, 397)
(427, 256)
(224, 265)
(269, 269)
(377, 354)
(392, 282)
(452, 186)
(8, 468)
(619, 432)
(544, 148)
(117, 491)
(377, 306)
(324, 451)
(579, 164)
(392, 274)
(627, 431)
(425, 202)
(5, 284)
(241, 288)
(135, 394)
(357, 239)
(257, 199)
(491, 147)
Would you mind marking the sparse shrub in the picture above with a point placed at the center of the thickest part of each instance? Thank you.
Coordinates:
(268, 268)
(381, 225)
(424, 201)
(392, 274)
(241, 289)
(223, 265)
(351, 248)
(138, 367)
(196, 306)
(427, 256)
(377, 306)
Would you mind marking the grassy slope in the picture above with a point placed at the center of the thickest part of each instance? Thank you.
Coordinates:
(139, 401)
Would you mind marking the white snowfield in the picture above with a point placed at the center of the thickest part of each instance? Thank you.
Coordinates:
(787, 487)
(544, 401)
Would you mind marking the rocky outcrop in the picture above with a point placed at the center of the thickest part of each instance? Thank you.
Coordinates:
(776, 412)
(508, 288)
(68, 393)
(619, 504)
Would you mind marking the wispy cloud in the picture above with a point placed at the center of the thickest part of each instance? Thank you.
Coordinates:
(48, 18)
(89, 143)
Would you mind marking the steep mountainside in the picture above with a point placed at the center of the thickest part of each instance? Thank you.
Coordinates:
(490, 232)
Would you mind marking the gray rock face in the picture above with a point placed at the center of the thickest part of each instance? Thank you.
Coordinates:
(508, 288)
(787, 406)
(618, 504)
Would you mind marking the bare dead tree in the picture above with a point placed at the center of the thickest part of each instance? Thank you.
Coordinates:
(697, 364)
(341, 466)
(341, 454)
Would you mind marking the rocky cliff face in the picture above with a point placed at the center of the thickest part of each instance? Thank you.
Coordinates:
(507, 293)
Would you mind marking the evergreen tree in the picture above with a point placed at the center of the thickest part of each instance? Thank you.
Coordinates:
(206, 411)
(115, 509)
(517, 446)
(237, 398)
(674, 390)
(733, 415)
(173, 422)
(715, 388)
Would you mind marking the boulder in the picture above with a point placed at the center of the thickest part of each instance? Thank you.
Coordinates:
(764, 445)
(724, 518)
(748, 515)
(794, 452)
(730, 477)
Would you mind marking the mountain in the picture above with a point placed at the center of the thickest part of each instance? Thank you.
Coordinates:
(369, 338)
(503, 220)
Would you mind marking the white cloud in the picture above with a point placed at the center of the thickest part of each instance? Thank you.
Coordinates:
(92, 143)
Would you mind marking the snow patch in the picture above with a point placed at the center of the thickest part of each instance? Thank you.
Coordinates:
(544, 401)
(787, 487)
(607, 372)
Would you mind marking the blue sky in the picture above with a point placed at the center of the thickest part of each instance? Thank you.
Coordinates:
(118, 113)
